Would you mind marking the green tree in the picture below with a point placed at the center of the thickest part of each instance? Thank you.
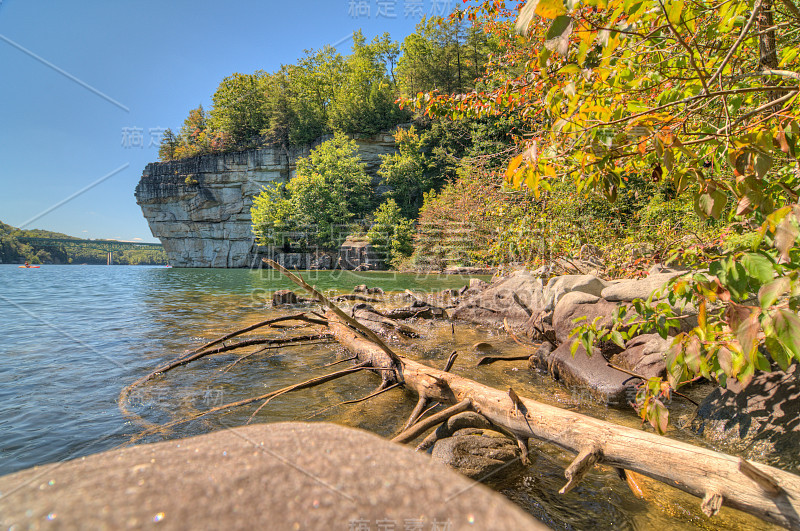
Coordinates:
(445, 55)
(330, 190)
(169, 145)
(338, 162)
(391, 234)
(409, 172)
(282, 114)
(195, 137)
(240, 109)
(313, 81)
(363, 102)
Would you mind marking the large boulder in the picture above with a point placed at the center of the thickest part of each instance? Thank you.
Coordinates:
(763, 417)
(629, 290)
(644, 355)
(585, 373)
(269, 476)
(477, 284)
(578, 304)
(515, 298)
(357, 254)
(558, 287)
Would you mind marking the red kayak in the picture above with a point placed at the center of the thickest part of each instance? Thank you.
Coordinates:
(29, 267)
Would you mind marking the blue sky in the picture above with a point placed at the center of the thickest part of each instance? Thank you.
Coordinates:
(82, 79)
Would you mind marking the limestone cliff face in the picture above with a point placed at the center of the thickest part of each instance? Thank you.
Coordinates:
(200, 207)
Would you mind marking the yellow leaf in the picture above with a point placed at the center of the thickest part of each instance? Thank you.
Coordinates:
(550, 8)
(512, 167)
(532, 181)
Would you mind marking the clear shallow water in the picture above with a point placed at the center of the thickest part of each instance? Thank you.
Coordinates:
(71, 337)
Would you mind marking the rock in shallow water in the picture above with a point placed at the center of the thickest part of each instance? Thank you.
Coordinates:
(475, 456)
(591, 375)
(645, 355)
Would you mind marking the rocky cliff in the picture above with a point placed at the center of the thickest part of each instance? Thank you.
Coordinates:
(200, 207)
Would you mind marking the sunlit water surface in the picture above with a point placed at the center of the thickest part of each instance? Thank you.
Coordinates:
(74, 336)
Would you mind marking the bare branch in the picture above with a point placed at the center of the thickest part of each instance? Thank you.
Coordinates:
(745, 29)
(680, 40)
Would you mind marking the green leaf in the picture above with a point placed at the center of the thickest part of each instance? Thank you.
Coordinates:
(787, 329)
(711, 205)
(570, 69)
(692, 354)
(543, 8)
(674, 10)
(616, 337)
(769, 293)
(544, 55)
(763, 164)
(759, 267)
(669, 159)
(777, 352)
(557, 37)
(660, 418)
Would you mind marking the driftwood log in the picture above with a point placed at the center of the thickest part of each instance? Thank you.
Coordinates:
(718, 479)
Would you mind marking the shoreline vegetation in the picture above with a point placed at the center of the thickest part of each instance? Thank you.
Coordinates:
(13, 251)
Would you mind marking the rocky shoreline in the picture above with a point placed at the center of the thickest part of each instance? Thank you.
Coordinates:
(761, 420)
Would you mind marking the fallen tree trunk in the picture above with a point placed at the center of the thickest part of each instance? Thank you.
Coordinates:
(718, 479)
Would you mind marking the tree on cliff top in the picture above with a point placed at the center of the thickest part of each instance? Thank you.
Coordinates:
(330, 190)
(364, 101)
(239, 111)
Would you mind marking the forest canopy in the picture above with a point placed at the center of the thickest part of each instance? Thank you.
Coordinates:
(326, 92)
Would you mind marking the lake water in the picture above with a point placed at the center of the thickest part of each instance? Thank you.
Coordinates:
(73, 336)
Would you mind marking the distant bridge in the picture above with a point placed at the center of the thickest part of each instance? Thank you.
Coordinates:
(109, 246)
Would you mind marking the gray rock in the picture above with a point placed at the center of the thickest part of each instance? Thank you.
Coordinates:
(589, 374)
(762, 418)
(629, 290)
(558, 287)
(644, 355)
(269, 476)
(661, 268)
(284, 297)
(466, 270)
(362, 288)
(515, 298)
(578, 304)
(321, 261)
(475, 456)
(477, 284)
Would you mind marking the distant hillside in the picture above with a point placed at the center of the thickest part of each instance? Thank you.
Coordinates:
(13, 251)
